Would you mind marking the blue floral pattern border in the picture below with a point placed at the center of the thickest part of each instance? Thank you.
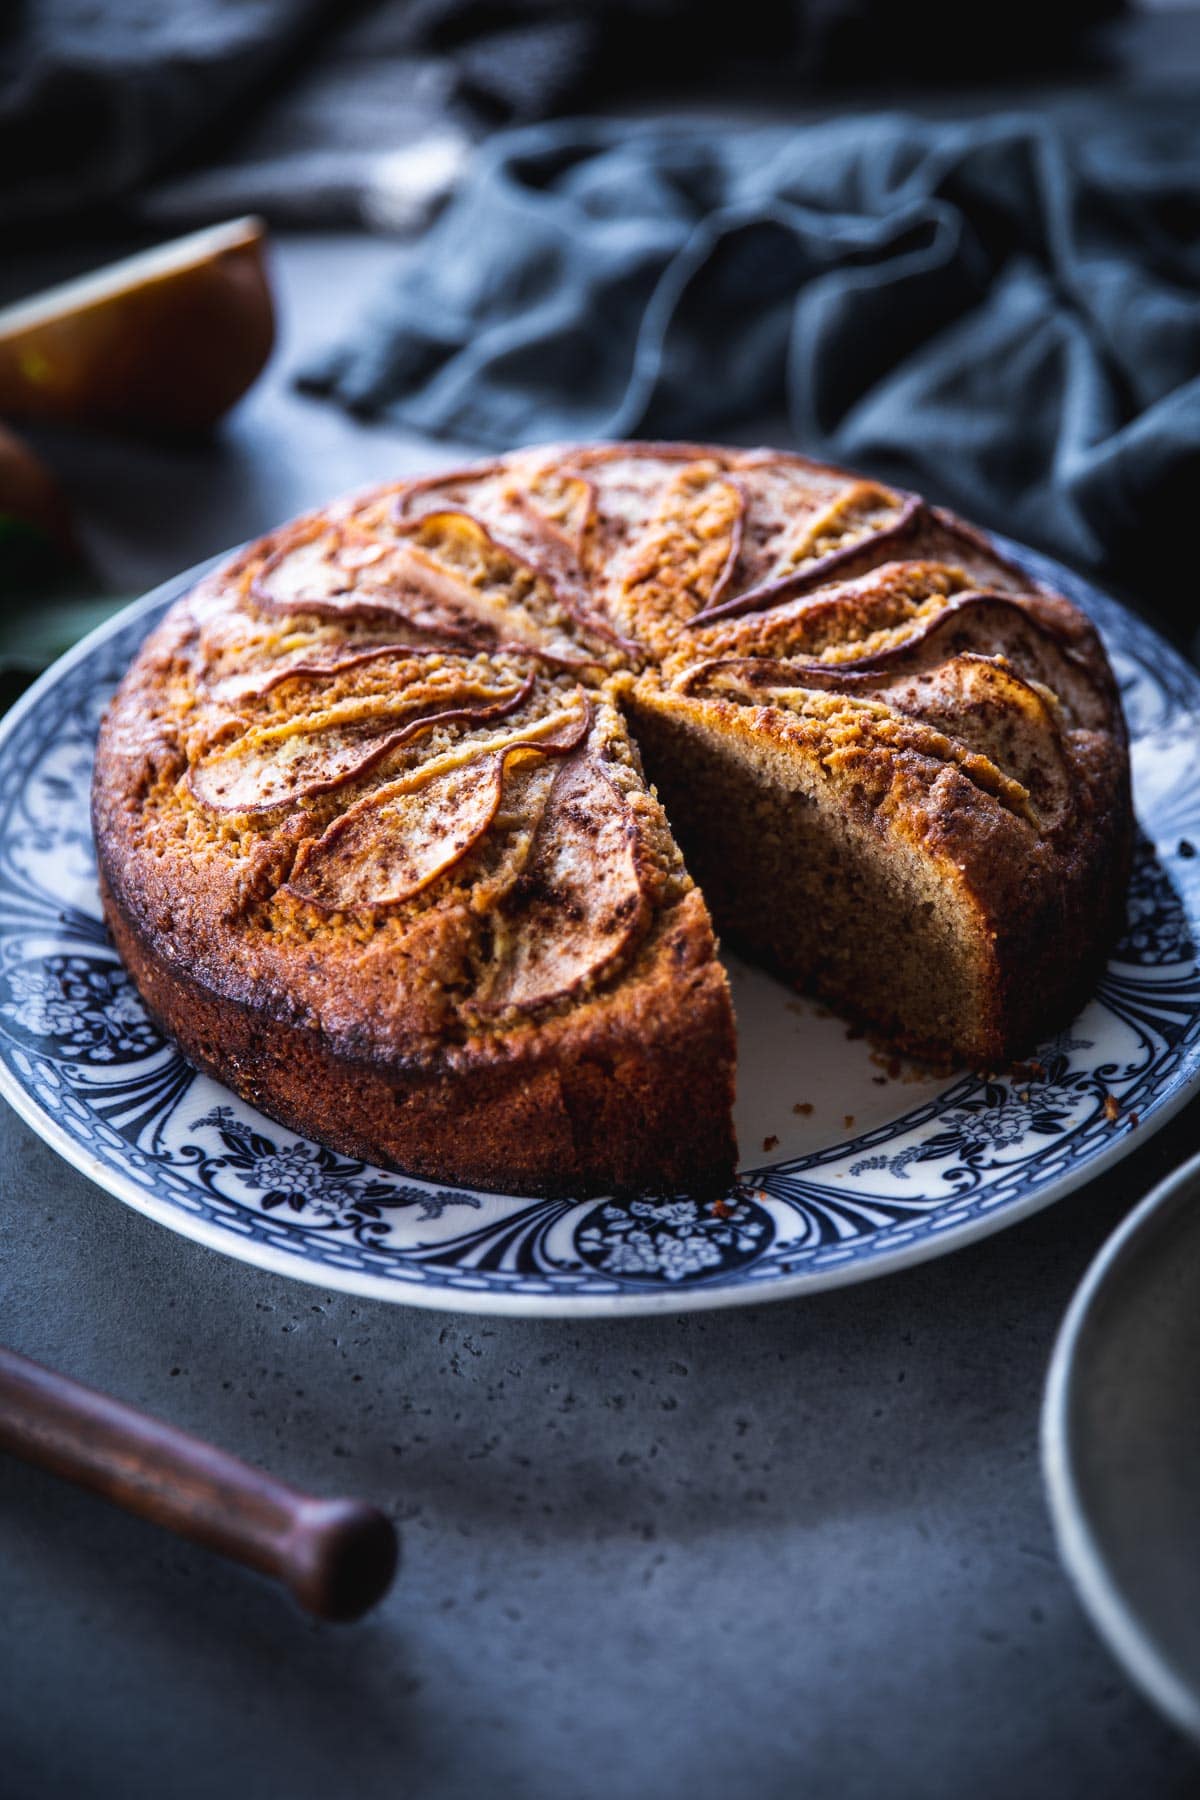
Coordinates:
(82, 1060)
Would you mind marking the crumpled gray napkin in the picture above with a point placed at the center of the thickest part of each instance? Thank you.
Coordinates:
(1003, 312)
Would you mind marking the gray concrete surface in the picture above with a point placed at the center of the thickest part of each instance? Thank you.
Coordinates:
(800, 1549)
(795, 1550)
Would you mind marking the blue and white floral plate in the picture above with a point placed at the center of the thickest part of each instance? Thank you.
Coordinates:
(853, 1167)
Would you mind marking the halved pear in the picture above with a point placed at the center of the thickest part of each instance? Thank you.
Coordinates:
(165, 341)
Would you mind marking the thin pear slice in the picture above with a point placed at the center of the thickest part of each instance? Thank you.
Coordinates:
(344, 572)
(395, 842)
(304, 664)
(581, 899)
(682, 562)
(540, 529)
(306, 756)
(385, 850)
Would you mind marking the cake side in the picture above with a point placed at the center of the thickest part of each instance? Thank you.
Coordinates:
(891, 888)
(636, 1098)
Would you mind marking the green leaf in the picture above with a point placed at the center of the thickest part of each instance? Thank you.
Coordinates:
(32, 635)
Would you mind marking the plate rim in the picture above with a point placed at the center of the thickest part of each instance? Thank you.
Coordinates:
(1114, 1618)
(514, 1303)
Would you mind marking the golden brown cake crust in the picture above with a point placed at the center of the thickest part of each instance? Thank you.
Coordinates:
(590, 1107)
(377, 846)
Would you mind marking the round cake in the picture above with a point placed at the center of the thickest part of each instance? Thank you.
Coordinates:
(414, 819)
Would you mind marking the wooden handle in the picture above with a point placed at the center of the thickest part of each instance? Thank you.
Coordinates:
(338, 1557)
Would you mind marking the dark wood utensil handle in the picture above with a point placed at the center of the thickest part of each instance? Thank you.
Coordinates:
(337, 1556)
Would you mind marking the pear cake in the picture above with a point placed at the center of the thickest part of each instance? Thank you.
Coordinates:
(414, 820)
